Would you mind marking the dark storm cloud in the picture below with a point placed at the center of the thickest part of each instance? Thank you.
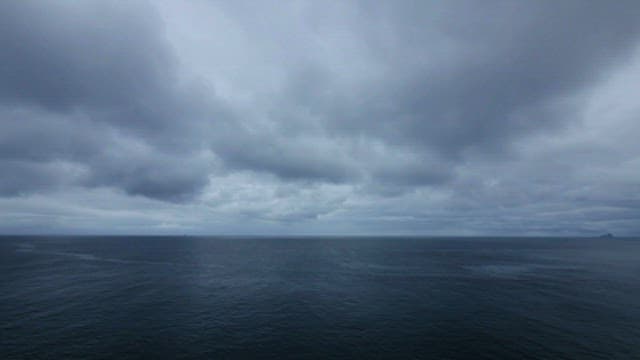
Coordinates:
(111, 62)
(454, 79)
(422, 114)
(288, 164)
(509, 66)
(156, 175)
(102, 55)
(19, 178)
(76, 78)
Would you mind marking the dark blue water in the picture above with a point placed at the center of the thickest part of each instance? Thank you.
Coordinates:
(319, 298)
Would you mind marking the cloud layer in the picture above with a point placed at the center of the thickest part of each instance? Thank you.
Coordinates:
(320, 117)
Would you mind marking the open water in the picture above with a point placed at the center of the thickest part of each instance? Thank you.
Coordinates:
(319, 298)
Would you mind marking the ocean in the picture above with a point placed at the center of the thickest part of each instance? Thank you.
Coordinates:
(319, 298)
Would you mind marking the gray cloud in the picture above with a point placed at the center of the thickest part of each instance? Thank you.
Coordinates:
(503, 71)
(354, 116)
(80, 77)
(65, 56)
(451, 79)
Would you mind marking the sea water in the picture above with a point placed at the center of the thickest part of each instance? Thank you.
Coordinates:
(319, 298)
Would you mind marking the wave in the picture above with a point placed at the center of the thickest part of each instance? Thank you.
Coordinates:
(91, 257)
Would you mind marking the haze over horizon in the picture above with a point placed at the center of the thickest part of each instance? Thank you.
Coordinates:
(320, 117)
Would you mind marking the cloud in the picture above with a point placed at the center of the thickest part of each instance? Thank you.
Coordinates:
(502, 72)
(95, 84)
(410, 116)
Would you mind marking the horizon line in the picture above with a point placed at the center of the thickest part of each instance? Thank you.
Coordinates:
(315, 235)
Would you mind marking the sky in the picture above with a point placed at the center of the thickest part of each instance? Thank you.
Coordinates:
(320, 117)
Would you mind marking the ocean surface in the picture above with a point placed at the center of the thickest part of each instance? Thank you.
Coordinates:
(319, 298)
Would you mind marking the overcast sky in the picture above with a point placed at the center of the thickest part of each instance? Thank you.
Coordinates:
(320, 117)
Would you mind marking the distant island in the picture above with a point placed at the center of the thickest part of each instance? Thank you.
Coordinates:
(607, 235)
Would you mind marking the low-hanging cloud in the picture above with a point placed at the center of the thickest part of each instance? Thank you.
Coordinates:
(419, 115)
